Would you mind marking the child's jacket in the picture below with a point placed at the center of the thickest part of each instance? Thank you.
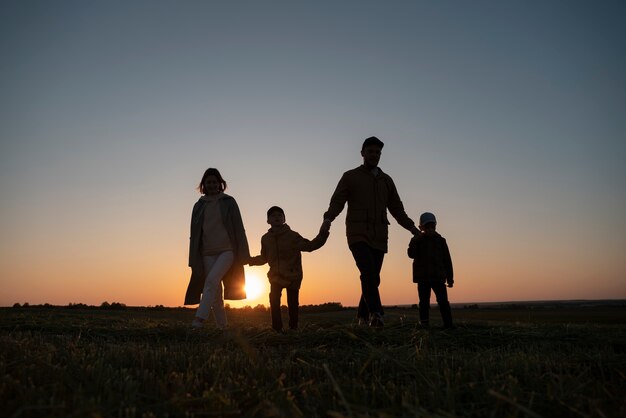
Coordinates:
(280, 248)
(431, 258)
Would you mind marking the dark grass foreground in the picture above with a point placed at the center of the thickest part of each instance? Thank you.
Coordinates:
(59, 362)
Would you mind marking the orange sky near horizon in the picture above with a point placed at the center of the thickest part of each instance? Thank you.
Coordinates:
(159, 275)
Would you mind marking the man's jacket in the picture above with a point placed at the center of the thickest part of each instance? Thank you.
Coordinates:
(368, 197)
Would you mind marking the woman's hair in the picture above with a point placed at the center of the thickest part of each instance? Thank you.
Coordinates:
(212, 172)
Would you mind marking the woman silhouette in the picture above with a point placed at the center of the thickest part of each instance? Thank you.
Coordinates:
(218, 249)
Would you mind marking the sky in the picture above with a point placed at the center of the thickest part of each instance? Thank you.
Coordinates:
(504, 118)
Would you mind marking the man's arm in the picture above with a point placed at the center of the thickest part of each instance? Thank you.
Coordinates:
(337, 201)
(396, 208)
(447, 260)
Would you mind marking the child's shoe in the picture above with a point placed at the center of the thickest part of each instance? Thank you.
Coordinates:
(362, 322)
(376, 320)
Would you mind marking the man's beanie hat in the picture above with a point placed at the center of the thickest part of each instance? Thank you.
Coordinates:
(372, 140)
(275, 209)
(426, 218)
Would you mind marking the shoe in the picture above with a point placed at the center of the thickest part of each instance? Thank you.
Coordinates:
(197, 323)
(362, 322)
(376, 320)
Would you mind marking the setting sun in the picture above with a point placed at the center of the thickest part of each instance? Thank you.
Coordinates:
(255, 286)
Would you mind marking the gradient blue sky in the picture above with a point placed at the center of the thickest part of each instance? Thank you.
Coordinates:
(505, 118)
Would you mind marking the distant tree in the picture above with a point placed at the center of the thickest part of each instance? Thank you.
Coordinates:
(17, 305)
(112, 306)
(324, 307)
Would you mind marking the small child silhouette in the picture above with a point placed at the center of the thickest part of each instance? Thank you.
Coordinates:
(281, 248)
(432, 269)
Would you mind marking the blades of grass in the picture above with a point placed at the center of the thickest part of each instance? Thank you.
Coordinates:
(510, 401)
(338, 390)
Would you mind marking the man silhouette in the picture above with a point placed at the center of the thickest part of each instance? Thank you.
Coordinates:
(369, 193)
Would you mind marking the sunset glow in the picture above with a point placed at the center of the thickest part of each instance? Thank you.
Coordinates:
(255, 287)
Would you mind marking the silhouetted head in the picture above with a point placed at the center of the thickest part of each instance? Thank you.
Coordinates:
(372, 140)
(212, 182)
(275, 209)
(275, 216)
(428, 222)
(371, 151)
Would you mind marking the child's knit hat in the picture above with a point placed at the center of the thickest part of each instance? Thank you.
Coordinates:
(426, 218)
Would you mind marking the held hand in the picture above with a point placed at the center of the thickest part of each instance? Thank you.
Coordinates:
(450, 284)
(415, 230)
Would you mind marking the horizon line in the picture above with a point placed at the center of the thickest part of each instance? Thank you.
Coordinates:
(327, 303)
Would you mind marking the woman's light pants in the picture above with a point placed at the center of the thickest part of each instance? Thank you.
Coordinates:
(215, 267)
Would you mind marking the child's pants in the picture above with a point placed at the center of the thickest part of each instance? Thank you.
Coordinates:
(215, 267)
(439, 287)
(292, 303)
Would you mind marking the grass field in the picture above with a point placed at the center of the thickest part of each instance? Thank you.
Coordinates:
(139, 362)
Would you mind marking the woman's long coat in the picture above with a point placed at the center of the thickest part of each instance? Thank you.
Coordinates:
(234, 280)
